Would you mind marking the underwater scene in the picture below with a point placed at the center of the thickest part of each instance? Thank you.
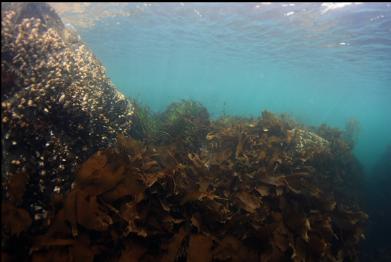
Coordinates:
(196, 131)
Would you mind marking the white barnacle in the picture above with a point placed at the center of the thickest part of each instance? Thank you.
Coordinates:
(15, 115)
(121, 96)
(37, 208)
(22, 66)
(57, 189)
(61, 99)
(39, 216)
(31, 37)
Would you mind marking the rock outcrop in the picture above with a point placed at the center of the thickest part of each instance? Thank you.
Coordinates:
(58, 105)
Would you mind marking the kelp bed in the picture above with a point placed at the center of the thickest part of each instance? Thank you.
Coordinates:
(233, 189)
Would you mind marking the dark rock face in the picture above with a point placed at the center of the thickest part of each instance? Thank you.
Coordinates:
(377, 247)
(58, 106)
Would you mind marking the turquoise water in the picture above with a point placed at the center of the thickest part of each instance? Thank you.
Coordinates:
(321, 63)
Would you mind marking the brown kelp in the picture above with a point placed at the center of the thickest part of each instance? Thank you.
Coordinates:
(253, 190)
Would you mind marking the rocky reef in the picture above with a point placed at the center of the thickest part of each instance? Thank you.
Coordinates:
(58, 106)
(264, 189)
(85, 178)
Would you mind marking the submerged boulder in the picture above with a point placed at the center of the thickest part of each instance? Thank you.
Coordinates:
(308, 143)
(58, 105)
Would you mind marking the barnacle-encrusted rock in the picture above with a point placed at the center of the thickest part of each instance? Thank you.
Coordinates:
(58, 106)
(307, 143)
